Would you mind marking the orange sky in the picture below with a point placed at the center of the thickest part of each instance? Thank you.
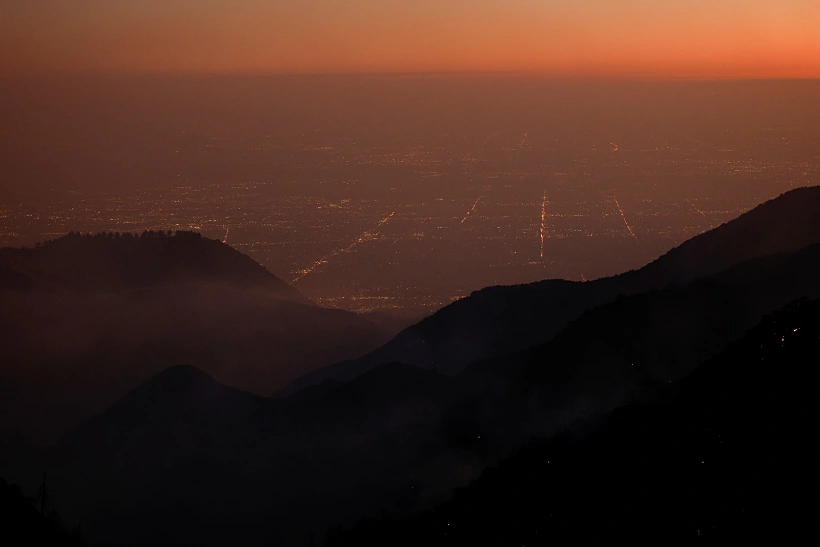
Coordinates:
(662, 38)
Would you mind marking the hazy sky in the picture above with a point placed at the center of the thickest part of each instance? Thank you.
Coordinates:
(669, 38)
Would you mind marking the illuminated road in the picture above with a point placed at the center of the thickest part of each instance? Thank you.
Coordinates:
(471, 211)
(324, 259)
(695, 208)
(543, 223)
(491, 137)
(623, 216)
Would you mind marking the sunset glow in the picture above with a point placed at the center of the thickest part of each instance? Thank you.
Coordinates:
(670, 39)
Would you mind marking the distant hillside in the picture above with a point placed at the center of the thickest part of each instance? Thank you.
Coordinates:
(85, 318)
(123, 262)
(723, 459)
(175, 411)
(398, 438)
(182, 442)
(499, 320)
(621, 350)
(395, 439)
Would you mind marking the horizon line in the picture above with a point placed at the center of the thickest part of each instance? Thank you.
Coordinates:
(534, 73)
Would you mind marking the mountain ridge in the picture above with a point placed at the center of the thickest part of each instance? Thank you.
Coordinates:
(122, 262)
(496, 320)
(399, 437)
(85, 318)
(674, 471)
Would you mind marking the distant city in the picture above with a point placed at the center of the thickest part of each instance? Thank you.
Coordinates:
(402, 195)
(445, 221)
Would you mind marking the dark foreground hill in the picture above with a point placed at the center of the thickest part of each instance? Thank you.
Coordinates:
(85, 318)
(498, 320)
(24, 521)
(213, 464)
(726, 459)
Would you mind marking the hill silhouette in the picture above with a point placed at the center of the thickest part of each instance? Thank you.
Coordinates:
(184, 458)
(125, 262)
(498, 320)
(399, 438)
(620, 351)
(183, 444)
(724, 457)
(88, 317)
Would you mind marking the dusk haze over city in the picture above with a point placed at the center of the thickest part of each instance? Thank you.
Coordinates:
(367, 273)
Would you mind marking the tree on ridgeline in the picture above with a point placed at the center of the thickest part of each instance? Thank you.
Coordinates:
(23, 522)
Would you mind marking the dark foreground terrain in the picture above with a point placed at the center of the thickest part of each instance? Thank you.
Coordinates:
(726, 456)
(668, 404)
(84, 319)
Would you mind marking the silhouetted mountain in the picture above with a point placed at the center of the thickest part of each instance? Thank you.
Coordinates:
(390, 383)
(726, 458)
(398, 438)
(212, 464)
(183, 446)
(391, 321)
(85, 318)
(623, 351)
(115, 262)
(499, 320)
(176, 400)
(618, 352)
(162, 425)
